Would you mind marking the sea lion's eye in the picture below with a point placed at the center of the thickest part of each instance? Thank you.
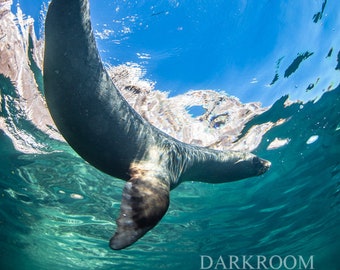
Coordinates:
(256, 161)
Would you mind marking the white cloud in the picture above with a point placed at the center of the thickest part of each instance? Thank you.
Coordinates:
(143, 55)
(105, 34)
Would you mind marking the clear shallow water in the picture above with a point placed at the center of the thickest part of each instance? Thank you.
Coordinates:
(57, 212)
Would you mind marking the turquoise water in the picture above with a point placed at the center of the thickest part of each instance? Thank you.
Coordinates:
(58, 212)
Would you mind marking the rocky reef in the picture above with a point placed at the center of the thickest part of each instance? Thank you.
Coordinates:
(21, 57)
(217, 123)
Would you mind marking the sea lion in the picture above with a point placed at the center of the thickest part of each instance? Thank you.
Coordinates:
(104, 129)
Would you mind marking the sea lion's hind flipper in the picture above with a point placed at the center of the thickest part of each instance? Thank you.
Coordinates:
(145, 201)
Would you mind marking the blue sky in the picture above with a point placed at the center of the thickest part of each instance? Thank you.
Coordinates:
(233, 46)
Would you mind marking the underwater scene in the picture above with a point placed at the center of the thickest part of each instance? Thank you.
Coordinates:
(254, 76)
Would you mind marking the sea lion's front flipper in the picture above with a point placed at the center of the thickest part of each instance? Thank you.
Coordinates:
(145, 201)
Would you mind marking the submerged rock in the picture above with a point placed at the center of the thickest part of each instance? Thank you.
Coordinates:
(220, 125)
(18, 43)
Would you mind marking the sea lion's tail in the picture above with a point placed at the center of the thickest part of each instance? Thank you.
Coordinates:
(145, 200)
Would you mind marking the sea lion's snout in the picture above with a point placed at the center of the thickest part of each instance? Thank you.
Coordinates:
(262, 165)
